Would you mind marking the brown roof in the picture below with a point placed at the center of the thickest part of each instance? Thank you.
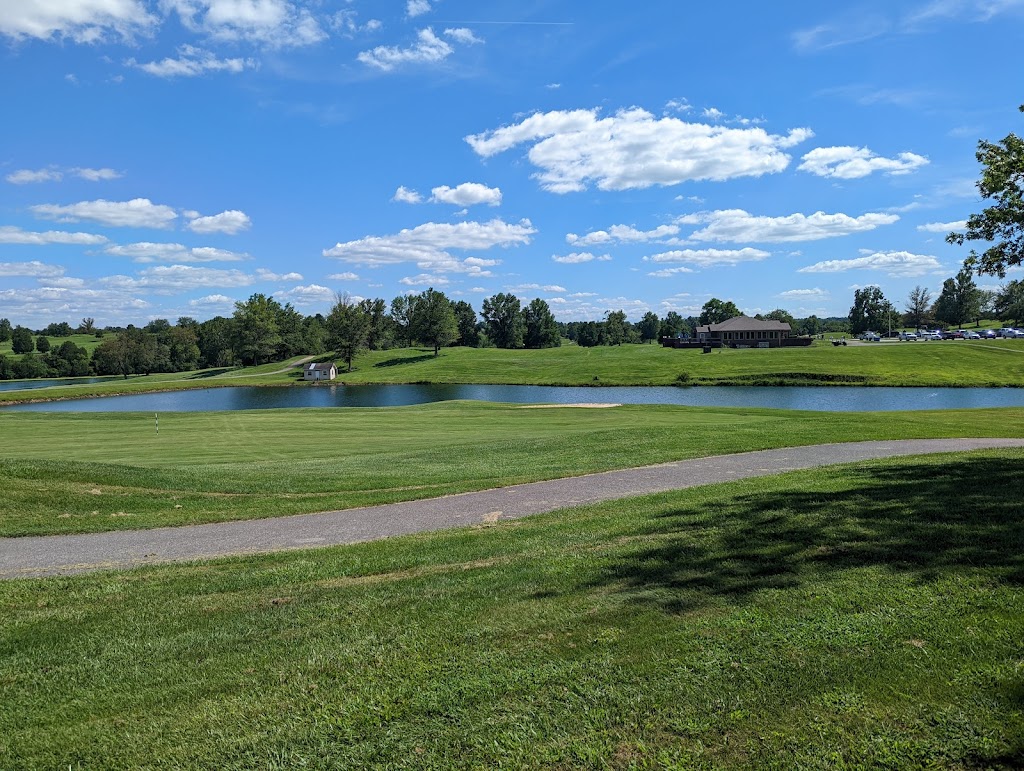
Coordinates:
(747, 324)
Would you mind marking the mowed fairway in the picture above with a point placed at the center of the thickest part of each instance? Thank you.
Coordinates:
(854, 617)
(82, 472)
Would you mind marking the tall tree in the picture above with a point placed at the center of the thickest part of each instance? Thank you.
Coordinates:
(5, 330)
(21, 340)
(615, 328)
(216, 347)
(42, 344)
(381, 333)
(811, 325)
(650, 324)
(540, 330)
(433, 320)
(1002, 180)
(348, 328)
(401, 315)
(781, 314)
(959, 299)
(466, 317)
(672, 324)
(716, 311)
(88, 326)
(256, 333)
(1009, 304)
(869, 310)
(504, 320)
(919, 302)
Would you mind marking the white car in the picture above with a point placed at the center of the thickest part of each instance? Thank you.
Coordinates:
(908, 336)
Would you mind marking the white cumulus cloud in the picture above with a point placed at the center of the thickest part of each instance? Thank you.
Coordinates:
(804, 294)
(136, 213)
(271, 23)
(33, 269)
(429, 246)
(577, 258)
(707, 258)
(462, 35)
(346, 276)
(97, 175)
(82, 21)
(27, 176)
(900, 264)
(466, 194)
(428, 49)
(415, 8)
(405, 195)
(229, 222)
(268, 275)
(145, 251)
(633, 149)
(192, 62)
(171, 279)
(311, 294)
(735, 225)
(942, 227)
(621, 234)
(857, 162)
(13, 235)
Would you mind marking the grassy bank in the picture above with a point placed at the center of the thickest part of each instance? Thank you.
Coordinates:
(849, 618)
(935, 364)
(82, 472)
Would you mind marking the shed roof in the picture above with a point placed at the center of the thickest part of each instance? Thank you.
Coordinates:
(320, 366)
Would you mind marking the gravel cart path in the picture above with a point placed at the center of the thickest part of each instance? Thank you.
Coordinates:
(66, 554)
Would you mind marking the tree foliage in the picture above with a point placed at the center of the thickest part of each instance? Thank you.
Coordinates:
(1009, 302)
(716, 311)
(649, 325)
(918, 307)
(348, 328)
(615, 328)
(1002, 224)
(503, 320)
(870, 310)
(21, 340)
(256, 330)
(5, 330)
(433, 320)
(959, 300)
(469, 335)
(540, 330)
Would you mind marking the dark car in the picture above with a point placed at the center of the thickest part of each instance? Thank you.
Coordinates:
(987, 334)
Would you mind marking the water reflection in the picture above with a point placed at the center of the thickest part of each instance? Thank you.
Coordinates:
(820, 398)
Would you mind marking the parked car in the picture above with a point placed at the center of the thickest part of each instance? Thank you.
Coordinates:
(987, 334)
(1007, 332)
(871, 337)
(953, 334)
(909, 337)
(969, 335)
(934, 334)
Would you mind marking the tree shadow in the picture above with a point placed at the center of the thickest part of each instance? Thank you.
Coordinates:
(209, 373)
(405, 360)
(919, 519)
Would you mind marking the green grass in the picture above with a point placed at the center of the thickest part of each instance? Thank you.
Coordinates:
(88, 342)
(82, 472)
(934, 364)
(863, 617)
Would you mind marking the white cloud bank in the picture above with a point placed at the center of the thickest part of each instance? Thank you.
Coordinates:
(577, 258)
(708, 258)
(942, 227)
(857, 162)
(467, 194)
(145, 251)
(737, 225)
(28, 176)
(900, 264)
(82, 21)
(137, 213)
(633, 149)
(33, 269)
(13, 235)
(271, 23)
(429, 245)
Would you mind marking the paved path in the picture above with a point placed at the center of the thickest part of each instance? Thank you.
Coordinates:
(64, 554)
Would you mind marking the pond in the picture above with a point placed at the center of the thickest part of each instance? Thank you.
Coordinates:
(21, 385)
(819, 398)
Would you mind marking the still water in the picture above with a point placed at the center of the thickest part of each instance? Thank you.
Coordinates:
(21, 385)
(820, 398)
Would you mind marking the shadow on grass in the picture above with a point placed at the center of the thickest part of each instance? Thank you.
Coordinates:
(927, 520)
(210, 373)
(404, 360)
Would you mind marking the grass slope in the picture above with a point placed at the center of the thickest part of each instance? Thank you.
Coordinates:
(88, 342)
(946, 363)
(83, 472)
(863, 617)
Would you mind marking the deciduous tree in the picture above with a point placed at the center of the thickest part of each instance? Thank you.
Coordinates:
(869, 310)
(650, 325)
(919, 303)
(716, 311)
(540, 330)
(433, 320)
(1002, 224)
(348, 327)
(504, 320)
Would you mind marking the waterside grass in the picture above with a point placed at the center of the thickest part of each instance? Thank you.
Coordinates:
(860, 617)
(85, 472)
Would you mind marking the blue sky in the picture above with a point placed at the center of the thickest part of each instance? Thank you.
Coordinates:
(165, 158)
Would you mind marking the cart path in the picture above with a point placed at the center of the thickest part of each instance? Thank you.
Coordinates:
(66, 554)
